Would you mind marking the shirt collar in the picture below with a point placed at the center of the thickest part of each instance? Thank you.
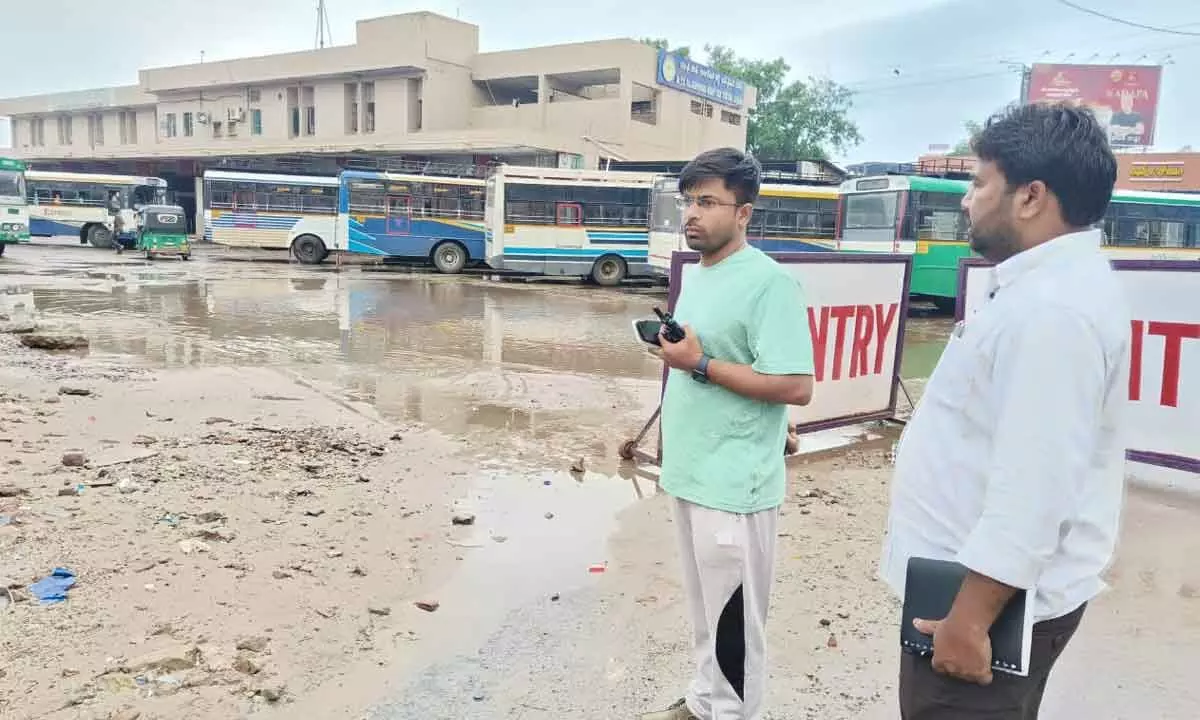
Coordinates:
(1009, 271)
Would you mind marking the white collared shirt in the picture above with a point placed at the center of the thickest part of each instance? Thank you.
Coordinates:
(1013, 462)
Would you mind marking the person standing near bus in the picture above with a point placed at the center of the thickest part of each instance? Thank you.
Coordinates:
(746, 356)
(1013, 462)
(114, 210)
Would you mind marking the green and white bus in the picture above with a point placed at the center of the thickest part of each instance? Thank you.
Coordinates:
(923, 217)
(14, 214)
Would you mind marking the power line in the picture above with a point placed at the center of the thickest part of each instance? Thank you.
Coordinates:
(1130, 23)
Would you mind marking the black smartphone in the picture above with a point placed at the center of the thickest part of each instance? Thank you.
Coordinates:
(647, 331)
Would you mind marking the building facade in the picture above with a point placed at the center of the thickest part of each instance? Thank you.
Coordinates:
(412, 86)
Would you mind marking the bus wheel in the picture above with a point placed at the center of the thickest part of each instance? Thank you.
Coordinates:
(309, 249)
(99, 236)
(449, 257)
(609, 271)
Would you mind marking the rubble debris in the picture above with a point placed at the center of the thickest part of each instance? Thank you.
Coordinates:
(53, 341)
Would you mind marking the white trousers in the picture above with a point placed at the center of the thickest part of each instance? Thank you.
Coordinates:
(728, 570)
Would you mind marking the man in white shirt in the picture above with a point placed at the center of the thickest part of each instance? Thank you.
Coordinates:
(1013, 463)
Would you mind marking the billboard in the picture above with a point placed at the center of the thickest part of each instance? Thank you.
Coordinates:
(681, 73)
(1124, 97)
(857, 308)
(1164, 377)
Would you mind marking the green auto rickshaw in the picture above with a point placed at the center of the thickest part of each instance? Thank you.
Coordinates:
(162, 230)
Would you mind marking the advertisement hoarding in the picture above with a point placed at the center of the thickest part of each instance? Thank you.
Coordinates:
(1164, 379)
(678, 72)
(1124, 97)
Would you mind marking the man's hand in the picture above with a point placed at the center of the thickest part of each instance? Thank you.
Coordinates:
(684, 355)
(959, 650)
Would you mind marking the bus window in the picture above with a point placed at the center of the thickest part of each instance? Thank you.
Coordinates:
(665, 215)
(147, 195)
(568, 214)
(938, 216)
(871, 211)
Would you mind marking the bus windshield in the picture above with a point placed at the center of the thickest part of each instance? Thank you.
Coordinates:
(147, 195)
(12, 187)
(665, 214)
(871, 211)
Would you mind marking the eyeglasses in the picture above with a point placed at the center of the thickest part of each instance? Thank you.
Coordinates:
(704, 202)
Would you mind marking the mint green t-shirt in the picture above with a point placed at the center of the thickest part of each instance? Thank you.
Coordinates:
(722, 450)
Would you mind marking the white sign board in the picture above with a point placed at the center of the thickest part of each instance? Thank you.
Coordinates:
(857, 307)
(1164, 379)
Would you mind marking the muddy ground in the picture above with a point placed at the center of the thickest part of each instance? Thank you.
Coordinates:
(273, 461)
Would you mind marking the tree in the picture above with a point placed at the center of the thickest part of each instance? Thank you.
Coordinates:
(792, 119)
(963, 147)
(664, 44)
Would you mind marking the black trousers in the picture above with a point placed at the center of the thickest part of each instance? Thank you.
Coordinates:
(927, 695)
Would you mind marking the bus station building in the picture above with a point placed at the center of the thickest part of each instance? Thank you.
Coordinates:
(413, 93)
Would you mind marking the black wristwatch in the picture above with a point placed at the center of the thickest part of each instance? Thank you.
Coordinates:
(700, 374)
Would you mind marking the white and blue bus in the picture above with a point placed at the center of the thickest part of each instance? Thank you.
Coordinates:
(419, 217)
(786, 218)
(586, 223)
(78, 204)
(297, 213)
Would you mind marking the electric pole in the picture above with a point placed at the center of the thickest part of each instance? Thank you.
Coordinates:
(323, 32)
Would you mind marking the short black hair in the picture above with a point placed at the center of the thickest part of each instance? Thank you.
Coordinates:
(740, 172)
(1064, 146)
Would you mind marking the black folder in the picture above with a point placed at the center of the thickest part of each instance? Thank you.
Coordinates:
(929, 591)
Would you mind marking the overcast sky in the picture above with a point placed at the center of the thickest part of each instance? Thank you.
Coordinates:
(920, 68)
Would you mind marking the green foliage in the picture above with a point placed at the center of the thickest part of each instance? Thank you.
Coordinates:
(963, 148)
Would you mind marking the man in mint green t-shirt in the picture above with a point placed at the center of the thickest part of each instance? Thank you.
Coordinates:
(746, 357)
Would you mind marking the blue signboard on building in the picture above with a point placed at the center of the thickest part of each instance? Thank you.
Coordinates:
(675, 71)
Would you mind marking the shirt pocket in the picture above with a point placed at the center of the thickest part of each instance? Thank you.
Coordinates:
(954, 382)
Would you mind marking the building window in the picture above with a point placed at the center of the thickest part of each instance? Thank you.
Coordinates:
(351, 90)
(64, 129)
(188, 127)
(253, 95)
(95, 129)
(293, 112)
(216, 126)
(255, 121)
(702, 109)
(37, 132)
(310, 111)
(368, 99)
(170, 129)
(127, 126)
(731, 118)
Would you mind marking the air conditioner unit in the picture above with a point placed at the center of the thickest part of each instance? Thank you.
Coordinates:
(202, 118)
(235, 114)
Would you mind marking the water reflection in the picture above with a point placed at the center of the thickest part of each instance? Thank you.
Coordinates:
(517, 363)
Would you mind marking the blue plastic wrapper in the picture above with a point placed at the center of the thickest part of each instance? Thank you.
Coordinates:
(53, 588)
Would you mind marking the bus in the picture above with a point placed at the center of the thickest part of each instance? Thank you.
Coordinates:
(14, 215)
(77, 204)
(297, 213)
(586, 223)
(421, 217)
(786, 218)
(923, 217)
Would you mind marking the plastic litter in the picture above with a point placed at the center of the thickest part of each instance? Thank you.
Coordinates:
(53, 588)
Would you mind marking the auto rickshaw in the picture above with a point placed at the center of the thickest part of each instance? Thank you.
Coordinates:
(162, 230)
